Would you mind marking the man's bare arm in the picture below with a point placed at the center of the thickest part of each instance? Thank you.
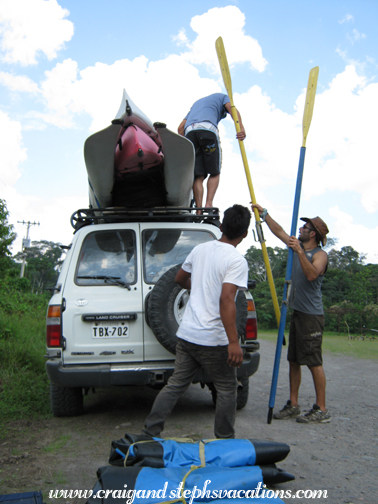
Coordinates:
(181, 128)
(276, 229)
(311, 269)
(227, 309)
(241, 135)
(183, 278)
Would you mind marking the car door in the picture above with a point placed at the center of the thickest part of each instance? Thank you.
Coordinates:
(102, 297)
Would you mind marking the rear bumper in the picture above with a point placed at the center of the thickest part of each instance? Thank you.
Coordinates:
(106, 375)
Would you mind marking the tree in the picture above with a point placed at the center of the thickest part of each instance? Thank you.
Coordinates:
(346, 259)
(7, 236)
(256, 266)
(43, 259)
(349, 289)
(277, 259)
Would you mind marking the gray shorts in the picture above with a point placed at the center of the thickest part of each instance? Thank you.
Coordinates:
(305, 339)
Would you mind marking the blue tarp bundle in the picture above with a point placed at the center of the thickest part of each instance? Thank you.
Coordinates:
(22, 498)
(135, 450)
(149, 470)
(145, 485)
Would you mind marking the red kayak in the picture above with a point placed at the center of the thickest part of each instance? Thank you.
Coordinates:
(136, 150)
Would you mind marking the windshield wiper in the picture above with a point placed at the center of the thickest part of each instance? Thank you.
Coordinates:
(111, 279)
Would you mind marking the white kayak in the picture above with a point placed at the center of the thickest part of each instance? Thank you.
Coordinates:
(176, 172)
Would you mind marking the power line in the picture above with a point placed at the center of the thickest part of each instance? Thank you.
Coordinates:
(26, 242)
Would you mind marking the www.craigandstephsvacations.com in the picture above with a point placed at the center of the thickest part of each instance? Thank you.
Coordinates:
(188, 495)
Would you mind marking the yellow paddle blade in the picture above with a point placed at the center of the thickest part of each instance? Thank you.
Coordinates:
(310, 100)
(224, 67)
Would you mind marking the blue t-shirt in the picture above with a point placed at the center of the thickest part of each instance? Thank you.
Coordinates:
(210, 108)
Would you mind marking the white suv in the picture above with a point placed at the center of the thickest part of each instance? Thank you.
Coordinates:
(113, 316)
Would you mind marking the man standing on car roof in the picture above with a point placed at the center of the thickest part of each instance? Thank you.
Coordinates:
(200, 126)
(307, 320)
(207, 337)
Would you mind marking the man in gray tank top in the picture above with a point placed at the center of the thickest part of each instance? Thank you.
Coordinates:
(307, 320)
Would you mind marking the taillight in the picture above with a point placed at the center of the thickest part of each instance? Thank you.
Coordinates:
(53, 327)
(251, 326)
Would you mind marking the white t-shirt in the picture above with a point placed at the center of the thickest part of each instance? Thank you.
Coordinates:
(211, 264)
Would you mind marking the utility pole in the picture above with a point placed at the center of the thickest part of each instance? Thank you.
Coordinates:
(26, 243)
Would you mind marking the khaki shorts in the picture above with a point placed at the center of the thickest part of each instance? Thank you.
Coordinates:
(305, 339)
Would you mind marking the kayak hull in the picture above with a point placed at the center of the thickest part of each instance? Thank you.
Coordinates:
(175, 173)
(135, 151)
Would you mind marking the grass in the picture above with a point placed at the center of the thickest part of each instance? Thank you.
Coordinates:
(337, 344)
(24, 391)
(59, 478)
(58, 444)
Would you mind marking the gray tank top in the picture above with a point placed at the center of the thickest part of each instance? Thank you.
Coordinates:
(305, 296)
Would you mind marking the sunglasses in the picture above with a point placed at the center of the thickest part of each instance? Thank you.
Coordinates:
(308, 228)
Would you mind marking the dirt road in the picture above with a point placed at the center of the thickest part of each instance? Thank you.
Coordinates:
(340, 457)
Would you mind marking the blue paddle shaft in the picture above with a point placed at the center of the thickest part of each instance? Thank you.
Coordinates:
(289, 267)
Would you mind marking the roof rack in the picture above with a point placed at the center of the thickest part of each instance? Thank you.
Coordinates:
(86, 216)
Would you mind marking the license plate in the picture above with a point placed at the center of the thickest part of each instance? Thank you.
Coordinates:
(110, 331)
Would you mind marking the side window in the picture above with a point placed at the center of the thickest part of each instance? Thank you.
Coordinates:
(107, 257)
(164, 248)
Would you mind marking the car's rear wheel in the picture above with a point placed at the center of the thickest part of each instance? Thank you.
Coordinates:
(66, 401)
(242, 393)
(166, 306)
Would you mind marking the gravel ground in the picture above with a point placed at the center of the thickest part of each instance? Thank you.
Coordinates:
(340, 457)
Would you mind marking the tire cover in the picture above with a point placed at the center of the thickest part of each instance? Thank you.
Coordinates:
(166, 299)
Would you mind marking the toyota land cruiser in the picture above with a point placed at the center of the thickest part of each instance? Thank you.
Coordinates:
(113, 316)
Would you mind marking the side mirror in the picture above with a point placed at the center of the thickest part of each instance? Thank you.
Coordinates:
(251, 284)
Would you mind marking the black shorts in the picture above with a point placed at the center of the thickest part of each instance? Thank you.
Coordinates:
(305, 339)
(208, 152)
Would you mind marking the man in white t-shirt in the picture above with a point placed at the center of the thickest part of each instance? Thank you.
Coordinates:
(207, 337)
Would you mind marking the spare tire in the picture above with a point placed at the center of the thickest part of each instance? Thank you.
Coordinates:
(166, 306)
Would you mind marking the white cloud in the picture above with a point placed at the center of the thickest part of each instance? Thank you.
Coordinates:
(346, 19)
(349, 232)
(20, 83)
(29, 27)
(228, 23)
(97, 90)
(180, 38)
(342, 139)
(357, 35)
(12, 153)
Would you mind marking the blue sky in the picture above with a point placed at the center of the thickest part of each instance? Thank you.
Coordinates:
(63, 65)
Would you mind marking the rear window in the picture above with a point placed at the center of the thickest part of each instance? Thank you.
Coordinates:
(164, 248)
(107, 257)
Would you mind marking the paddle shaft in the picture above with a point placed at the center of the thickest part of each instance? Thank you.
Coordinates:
(257, 217)
(307, 116)
(284, 306)
(228, 85)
